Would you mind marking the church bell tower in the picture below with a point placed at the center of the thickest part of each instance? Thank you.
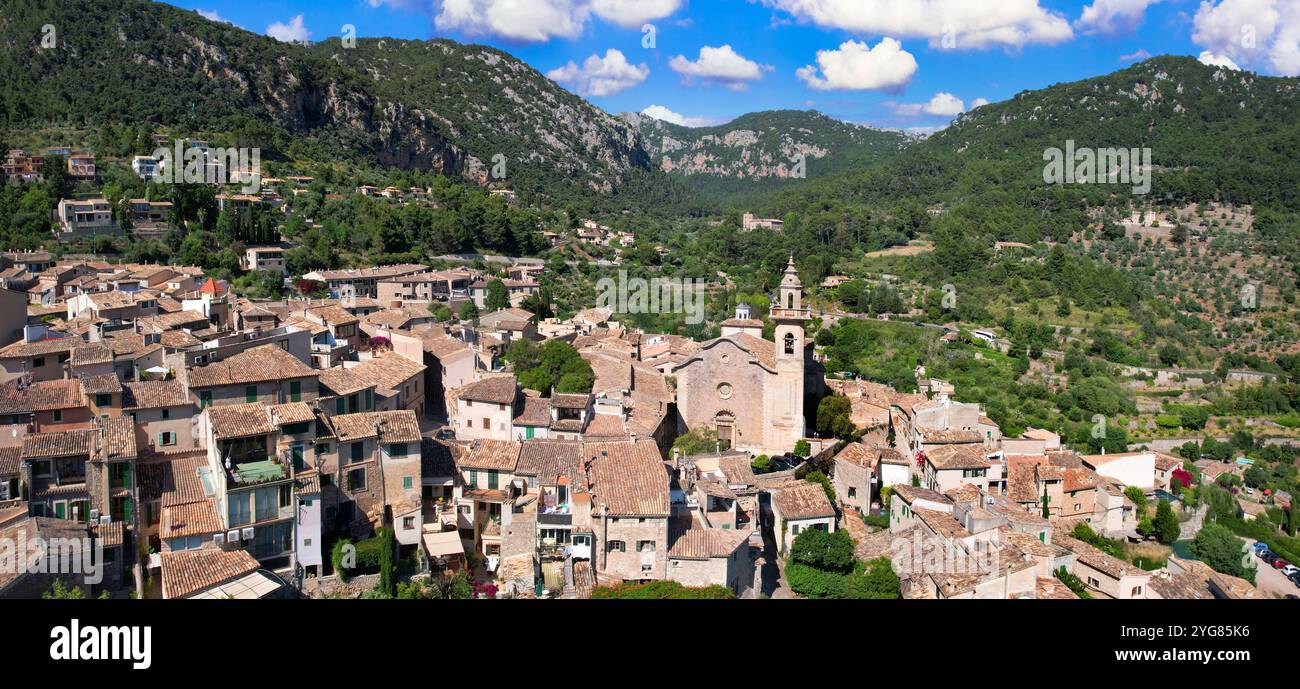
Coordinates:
(785, 403)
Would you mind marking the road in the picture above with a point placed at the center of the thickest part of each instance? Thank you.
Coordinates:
(1271, 582)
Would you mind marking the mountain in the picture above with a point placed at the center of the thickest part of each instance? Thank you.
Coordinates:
(761, 152)
(435, 105)
(1213, 133)
(765, 144)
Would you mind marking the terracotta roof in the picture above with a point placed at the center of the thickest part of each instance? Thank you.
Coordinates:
(293, 412)
(605, 426)
(41, 396)
(390, 426)
(259, 364)
(501, 455)
(702, 544)
(189, 519)
(333, 314)
(1094, 558)
(54, 345)
(628, 477)
(549, 459)
(102, 384)
(910, 494)
(858, 454)
(958, 457)
(10, 460)
(239, 420)
(342, 381)
(154, 394)
(802, 500)
(111, 534)
(56, 444)
(437, 459)
(91, 354)
(569, 401)
(941, 523)
(536, 412)
(391, 371)
(119, 437)
(496, 390)
(191, 571)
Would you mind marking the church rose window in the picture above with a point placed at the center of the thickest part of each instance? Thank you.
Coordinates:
(725, 391)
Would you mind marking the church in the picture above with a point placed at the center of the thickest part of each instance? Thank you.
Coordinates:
(748, 390)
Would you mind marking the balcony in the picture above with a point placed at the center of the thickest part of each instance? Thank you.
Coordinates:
(556, 518)
(253, 473)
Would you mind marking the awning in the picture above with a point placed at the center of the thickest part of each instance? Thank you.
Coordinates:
(259, 584)
(443, 544)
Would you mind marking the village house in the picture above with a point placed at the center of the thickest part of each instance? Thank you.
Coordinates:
(798, 506)
(265, 374)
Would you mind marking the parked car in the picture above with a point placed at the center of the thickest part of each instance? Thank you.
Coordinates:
(1279, 563)
(1295, 579)
(1268, 556)
(446, 434)
(1290, 569)
(1260, 548)
(1250, 491)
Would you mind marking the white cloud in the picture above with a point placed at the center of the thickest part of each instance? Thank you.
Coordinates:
(959, 24)
(1113, 17)
(1209, 58)
(855, 66)
(212, 15)
(601, 76)
(943, 104)
(721, 65)
(634, 13)
(535, 20)
(293, 32)
(1139, 54)
(1257, 33)
(979, 103)
(659, 112)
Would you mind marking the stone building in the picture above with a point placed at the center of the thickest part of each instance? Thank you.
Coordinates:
(748, 390)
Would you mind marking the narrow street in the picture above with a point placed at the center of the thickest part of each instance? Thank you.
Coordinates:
(771, 570)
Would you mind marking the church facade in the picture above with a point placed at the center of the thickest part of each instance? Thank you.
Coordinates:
(749, 390)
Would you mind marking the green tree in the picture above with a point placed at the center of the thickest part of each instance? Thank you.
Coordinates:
(829, 552)
(879, 582)
(497, 296)
(833, 417)
(820, 478)
(697, 441)
(1218, 547)
(761, 464)
(802, 448)
(1165, 523)
(387, 564)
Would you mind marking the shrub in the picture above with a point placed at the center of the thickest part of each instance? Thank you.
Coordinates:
(661, 590)
(814, 583)
(832, 552)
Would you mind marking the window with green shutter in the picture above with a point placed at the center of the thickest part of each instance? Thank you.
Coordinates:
(250, 394)
(493, 477)
(370, 399)
(205, 399)
(295, 391)
(408, 482)
(338, 406)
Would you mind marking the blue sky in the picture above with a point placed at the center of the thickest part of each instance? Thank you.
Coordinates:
(906, 64)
